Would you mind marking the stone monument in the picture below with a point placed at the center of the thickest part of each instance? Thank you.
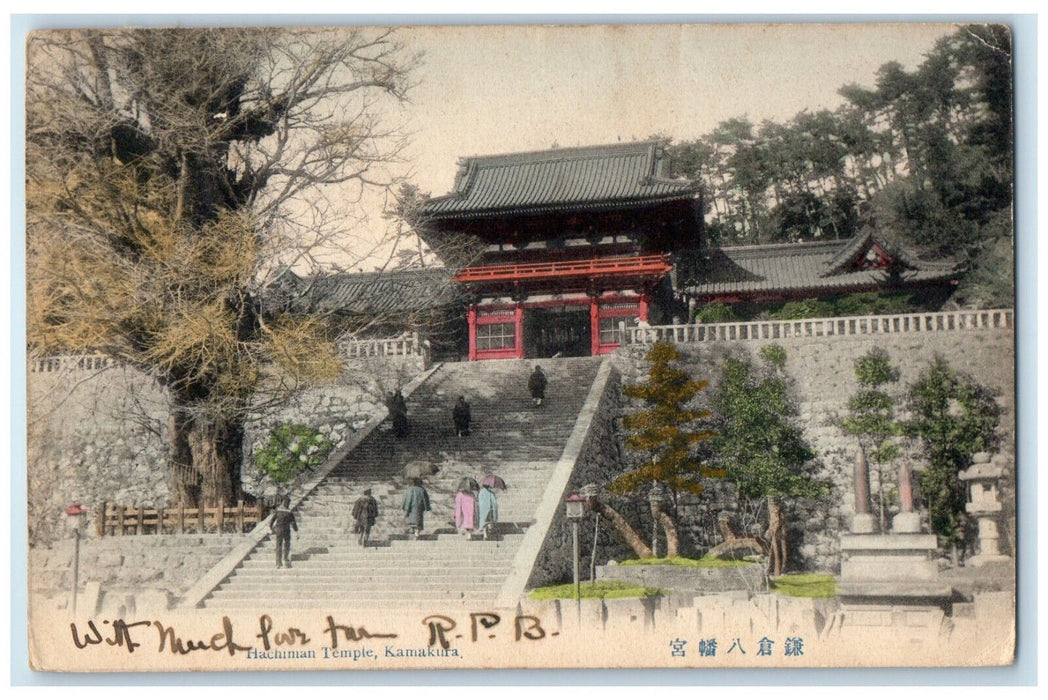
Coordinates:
(885, 575)
(862, 521)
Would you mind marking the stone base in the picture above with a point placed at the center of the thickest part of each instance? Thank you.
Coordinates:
(863, 524)
(906, 523)
(897, 558)
(984, 559)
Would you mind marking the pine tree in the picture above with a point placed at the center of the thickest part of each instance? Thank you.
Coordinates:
(668, 434)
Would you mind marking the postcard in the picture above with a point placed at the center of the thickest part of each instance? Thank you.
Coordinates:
(585, 346)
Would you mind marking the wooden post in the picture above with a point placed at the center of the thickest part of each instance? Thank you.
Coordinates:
(221, 516)
(518, 331)
(240, 516)
(120, 520)
(140, 527)
(181, 518)
(100, 520)
(471, 321)
(160, 521)
(594, 326)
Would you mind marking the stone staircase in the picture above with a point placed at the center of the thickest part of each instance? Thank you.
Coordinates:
(509, 436)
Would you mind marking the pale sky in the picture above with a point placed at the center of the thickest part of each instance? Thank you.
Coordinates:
(485, 90)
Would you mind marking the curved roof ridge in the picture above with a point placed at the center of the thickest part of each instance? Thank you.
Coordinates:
(796, 248)
(566, 153)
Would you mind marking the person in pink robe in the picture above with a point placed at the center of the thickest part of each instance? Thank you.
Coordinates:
(465, 511)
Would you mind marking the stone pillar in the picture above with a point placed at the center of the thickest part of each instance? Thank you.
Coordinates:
(907, 520)
(862, 522)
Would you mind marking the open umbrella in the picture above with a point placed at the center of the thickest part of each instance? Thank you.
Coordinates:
(495, 482)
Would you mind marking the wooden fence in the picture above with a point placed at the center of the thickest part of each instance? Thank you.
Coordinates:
(825, 327)
(113, 520)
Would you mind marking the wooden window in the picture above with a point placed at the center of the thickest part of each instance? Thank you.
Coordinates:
(610, 331)
(496, 336)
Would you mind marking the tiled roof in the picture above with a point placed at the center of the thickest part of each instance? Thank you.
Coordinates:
(377, 293)
(823, 267)
(592, 177)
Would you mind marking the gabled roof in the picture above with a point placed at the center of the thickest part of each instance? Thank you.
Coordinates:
(375, 293)
(823, 267)
(592, 177)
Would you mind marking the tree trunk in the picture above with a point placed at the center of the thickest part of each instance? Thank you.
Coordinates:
(185, 481)
(776, 536)
(668, 526)
(733, 542)
(622, 528)
(205, 457)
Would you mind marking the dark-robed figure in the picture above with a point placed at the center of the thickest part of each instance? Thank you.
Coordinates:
(537, 385)
(398, 413)
(281, 525)
(365, 512)
(415, 505)
(461, 416)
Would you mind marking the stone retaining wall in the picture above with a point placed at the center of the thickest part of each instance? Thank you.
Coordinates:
(101, 434)
(688, 579)
(115, 571)
(597, 463)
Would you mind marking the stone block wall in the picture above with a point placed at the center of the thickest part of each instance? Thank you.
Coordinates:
(93, 435)
(102, 434)
(122, 569)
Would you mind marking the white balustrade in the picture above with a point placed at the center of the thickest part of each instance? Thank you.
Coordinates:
(823, 327)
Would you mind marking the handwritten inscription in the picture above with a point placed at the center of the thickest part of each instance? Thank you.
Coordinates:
(282, 641)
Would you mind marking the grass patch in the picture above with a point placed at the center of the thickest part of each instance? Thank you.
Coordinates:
(596, 590)
(703, 563)
(805, 585)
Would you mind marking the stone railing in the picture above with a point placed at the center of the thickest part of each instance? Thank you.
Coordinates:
(822, 327)
(68, 363)
(409, 344)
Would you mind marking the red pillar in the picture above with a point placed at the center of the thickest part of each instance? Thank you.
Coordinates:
(594, 327)
(518, 331)
(471, 319)
(642, 307)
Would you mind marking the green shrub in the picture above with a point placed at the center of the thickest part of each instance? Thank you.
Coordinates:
(806, 308)
(596, 590)
(716, 313)
(870, 303)
(292, 450)
(774, 355)
(805, 585)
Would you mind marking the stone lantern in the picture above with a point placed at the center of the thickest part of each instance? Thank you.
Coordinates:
(984, 505)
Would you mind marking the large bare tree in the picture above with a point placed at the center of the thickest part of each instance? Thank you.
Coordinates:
(168, 171)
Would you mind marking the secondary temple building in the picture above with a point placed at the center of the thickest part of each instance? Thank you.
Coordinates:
(568, 247)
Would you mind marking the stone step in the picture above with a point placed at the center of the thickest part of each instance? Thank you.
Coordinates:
(523, 441)
(441, 562)
(463, 600)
